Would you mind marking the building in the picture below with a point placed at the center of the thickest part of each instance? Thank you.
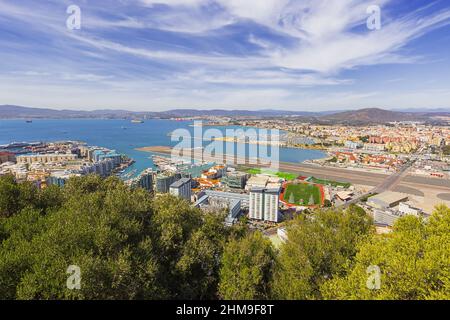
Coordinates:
(385, 217)
(264, 204)
(387, 200)
(374, 147)
(46, 158)
(244, 198)
(233, 206)
(271, 204)
(99, 155)
(59, 178)
(181, 188)
(344, 195)
(164, 181)
(215, 172)
(407, 209)
(258, 181)
(235, 180)
(7, 157)
(353, 144)
(144, 181)
(256, 207)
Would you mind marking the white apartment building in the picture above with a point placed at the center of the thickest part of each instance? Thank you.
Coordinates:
(256, 206)
(264, 204)
(271, 204)
(46, 158)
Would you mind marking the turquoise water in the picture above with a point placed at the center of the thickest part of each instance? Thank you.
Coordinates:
(111, 134)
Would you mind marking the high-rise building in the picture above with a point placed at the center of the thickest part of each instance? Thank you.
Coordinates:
(264, 204)
(256, 207)
(271, 204)
(164, 181)
(181, 188)
(144, 181)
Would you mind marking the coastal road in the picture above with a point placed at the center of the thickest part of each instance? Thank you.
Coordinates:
(378, 181)
(388, 184)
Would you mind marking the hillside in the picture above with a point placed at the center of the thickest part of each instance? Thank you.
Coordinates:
(363, 116)
(373, 115)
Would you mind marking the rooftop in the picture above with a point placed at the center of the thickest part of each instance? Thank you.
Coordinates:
(180, 183)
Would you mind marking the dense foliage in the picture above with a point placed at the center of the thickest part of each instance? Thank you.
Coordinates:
(131, 245)
(127, 245)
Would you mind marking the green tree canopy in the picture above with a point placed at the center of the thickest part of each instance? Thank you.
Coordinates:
(247, 266)
(319, 247)
(127, 244)
(414, 262)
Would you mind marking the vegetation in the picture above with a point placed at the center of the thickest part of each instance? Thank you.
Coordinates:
(329, 182)
(414, 262)
(287, 176)
(319, 248)
(253, 171)
(283, 175)
(130, 245)
(247, 267)
(303, 194)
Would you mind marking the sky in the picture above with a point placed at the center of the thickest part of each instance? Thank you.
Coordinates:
(153, 55)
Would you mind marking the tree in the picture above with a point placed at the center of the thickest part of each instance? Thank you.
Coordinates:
(9, 196)
(127, 244)
(318, 248)
(16, 196)
(247, 267)
(414, 262)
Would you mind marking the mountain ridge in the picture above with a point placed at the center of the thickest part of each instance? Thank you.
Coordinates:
(358, 116)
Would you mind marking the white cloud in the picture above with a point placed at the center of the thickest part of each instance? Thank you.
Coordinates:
(311, 42)
(323, 29)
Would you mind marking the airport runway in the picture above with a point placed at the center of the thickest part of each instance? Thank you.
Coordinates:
(400, 180)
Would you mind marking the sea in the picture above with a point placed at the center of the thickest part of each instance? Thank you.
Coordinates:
(122, 136)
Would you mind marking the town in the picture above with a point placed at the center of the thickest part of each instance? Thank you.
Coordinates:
(388, 171)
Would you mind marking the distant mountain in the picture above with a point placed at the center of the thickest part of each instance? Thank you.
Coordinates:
(423, 110)
(19, 112)
(376, 115)
(363, 116)
(372, 115)
(242, 113)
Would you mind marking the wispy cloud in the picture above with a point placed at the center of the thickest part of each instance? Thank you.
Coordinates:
(286, 49)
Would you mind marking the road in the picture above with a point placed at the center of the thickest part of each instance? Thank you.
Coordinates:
(379, 181)
(388, 184)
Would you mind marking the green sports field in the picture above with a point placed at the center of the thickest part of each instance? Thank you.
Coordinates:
(303, 194)
(329, 182)
(282, 175)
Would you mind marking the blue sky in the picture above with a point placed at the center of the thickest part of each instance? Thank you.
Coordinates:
(155, 55)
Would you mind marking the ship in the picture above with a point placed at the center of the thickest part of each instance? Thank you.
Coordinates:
(137, 121)
(29, 121)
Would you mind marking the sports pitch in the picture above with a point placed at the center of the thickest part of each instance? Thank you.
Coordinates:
(303, 194)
